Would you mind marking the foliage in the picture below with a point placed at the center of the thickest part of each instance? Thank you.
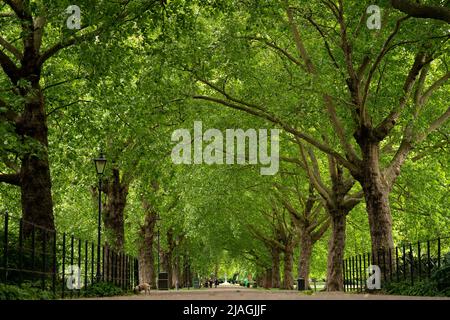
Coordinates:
(437, 285)
(128, 89)
(23, 292)
(103, 289)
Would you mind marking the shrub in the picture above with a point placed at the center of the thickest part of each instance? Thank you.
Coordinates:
(23, 292)
(442, 275)
(103, 289)
(420, 288)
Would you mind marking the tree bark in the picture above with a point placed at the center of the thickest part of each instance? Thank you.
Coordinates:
(275, 268)
(417, 10)
(36, 197)
(113, 214)
(146, 257)
(267, 278)
(304, 263)
(176, 272)
(167, 257)
(336, 247)
(376, 193)
(288, 278)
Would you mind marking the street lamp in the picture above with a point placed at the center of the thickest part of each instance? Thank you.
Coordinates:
(100, 164)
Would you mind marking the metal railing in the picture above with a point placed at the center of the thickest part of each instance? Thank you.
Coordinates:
(408, 262)
(63, 264)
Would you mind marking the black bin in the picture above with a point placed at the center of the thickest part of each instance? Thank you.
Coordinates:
(163, 281)
(300, 284)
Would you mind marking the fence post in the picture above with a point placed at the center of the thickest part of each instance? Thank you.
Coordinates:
(411, 257)
(390, 264)
(343, 274)
(92, 262)
(63, 264)
(397, 266)
(128, 272)
(86, 255)
(439, 252)
(419, 260)
(44, 254)
(54, 264)
(361, 277)
(71, 260)
(113, 266)
(5, 249)
(353, 272)
(123, 270)
(108, 264)
(404, 262)
(429, 259)
(21, 249)
(33, 245)
(137, 271)
(79, 266)
(118, 268)
(365, 270)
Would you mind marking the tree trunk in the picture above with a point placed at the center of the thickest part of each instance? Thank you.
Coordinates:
(336, 248)
(275, 268)
(113, 213)
(166, 257)
(36, 196)
(376, 194)
(288, 279)
(176, 272)
(267, 280)
(305, 257)
(146, 257)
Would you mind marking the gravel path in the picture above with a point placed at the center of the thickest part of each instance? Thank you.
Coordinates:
(240, 293)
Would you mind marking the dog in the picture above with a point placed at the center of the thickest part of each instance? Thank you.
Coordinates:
(142, 287)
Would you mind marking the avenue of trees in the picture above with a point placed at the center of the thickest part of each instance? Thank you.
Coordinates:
(363, 115)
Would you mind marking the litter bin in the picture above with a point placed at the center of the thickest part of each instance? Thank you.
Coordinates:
(163, 281)
(301, 284)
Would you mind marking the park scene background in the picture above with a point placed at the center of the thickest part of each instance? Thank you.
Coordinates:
(358, 89)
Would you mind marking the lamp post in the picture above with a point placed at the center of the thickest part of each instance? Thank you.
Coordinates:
(100, 164)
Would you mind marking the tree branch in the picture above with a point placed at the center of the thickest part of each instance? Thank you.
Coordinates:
(286, 127)
(67, 43)
(9, 67)
(65, 106)
(18, 7)
(13, 178)
(8, 46)
(339, 129)
(384, 128)
(279, 49)
(299, 43)
(315, 236)
(418, 10)
(436, 124)
(436, 85)
(380, 56)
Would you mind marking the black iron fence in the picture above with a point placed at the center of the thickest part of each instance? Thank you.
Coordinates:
(58, 262)
(408, 262)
